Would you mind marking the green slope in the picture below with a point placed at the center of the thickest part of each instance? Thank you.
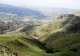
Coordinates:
(19, 44)
(64, 41)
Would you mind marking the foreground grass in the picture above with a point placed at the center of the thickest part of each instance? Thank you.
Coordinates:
(19, 44)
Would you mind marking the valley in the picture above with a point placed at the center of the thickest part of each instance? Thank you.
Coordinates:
(22, 34)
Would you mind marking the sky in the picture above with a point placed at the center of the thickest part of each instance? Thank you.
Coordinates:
(70, 4)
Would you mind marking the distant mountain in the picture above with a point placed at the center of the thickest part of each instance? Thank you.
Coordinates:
(19, 11)
(50, 11)
(36, 12)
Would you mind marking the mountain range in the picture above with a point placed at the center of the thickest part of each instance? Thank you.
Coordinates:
(36, 12)
(19, 11)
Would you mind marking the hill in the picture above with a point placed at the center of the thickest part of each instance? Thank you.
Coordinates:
(59, 36)
(64, 38)
(67, 23)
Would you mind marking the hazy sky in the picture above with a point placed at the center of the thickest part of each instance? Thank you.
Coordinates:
(72, 4)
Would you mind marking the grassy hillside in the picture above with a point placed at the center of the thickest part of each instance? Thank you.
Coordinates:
(68, 23)
(63, 37)
(56, 37)
(18, 44)
(48, 27)
(65, 42)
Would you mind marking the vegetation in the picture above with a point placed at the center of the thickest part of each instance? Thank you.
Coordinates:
(56, 37)
(19, 44)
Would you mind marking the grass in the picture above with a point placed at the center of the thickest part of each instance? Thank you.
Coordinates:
(68, 44)
(48, 27)
(20, 44)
